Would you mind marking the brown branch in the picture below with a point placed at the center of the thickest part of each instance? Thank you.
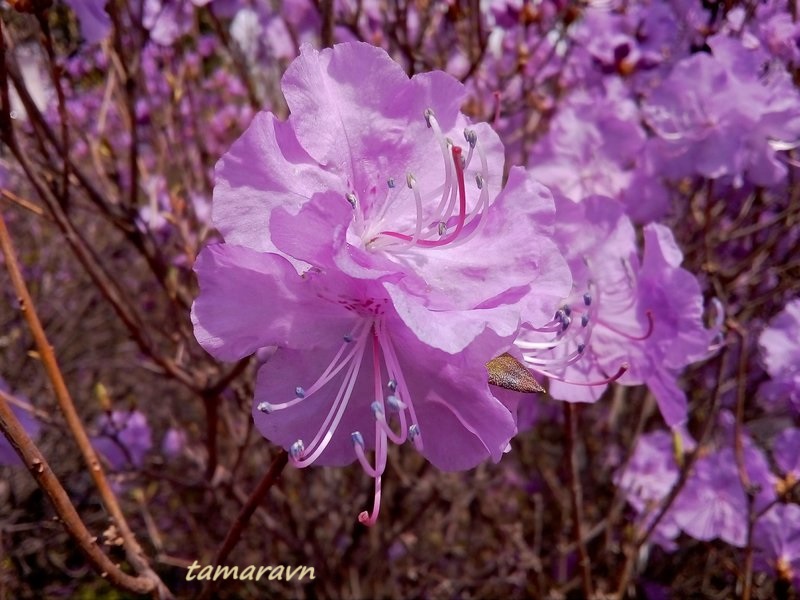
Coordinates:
(47, 480)
(576, 498)
(243, 518)
(133, 551)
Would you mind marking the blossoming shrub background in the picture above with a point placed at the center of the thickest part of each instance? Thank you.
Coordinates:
(650, 160)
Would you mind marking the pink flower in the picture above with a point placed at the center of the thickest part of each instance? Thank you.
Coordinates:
(382, 259)
(628, 319)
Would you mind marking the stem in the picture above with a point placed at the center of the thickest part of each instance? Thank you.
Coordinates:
(41, 471)
(133, 551)
(243, 518)
(576, 498)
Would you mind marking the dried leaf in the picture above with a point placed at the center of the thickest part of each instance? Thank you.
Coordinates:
(507, 372)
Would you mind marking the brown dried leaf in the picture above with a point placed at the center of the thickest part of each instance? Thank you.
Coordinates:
(507, 372)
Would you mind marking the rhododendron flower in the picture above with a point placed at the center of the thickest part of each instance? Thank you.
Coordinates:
(780, 351)
(777, 541)
(631, 320)
(124, 438)
(367, 237)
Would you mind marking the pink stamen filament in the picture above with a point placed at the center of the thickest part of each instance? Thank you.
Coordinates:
(479, 212)
(330, 371)
(380, 415)
(396, 373)
(334, 416)
(636, 338)
(462, 210)
(369, 519)
(620, 372)
(572, 358)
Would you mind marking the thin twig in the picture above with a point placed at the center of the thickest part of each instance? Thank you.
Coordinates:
(133, 551)
(243, 518)
(41, 471)
(576, 497)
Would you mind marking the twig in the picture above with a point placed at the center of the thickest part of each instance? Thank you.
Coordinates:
(243, 518)
(41, 471)
(576, 498)
(133, 551)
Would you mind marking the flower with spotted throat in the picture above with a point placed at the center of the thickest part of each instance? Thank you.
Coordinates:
(367, 238)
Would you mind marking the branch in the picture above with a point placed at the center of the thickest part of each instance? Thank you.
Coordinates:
(133, 551)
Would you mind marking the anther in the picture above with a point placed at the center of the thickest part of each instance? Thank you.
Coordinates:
(299, 392)
(347, 338)
(471, 137)
(357, 438)
(392, 385)
(581, 348)
(479, 181)
(567, 309)
(296, 450)
(377, 409)
(410, 181)
(390, 182)
(584, 320)
(565, 323)
(413, 431)
(587, 299)
(428, 114)
(395, 403)
(264, 407)
(442, 228)
(351, 198)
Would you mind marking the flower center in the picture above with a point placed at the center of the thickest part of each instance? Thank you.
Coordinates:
(450, 222)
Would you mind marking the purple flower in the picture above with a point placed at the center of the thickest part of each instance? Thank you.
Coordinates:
(731, 121)
(786, 451)
(713, 503)
(167, 20)
(777, 539)
(94, 20)
(124, 438)
(174, 442)
(382, 259)
(780, 351)
(649, 477)
(645, 315)
(8, 456)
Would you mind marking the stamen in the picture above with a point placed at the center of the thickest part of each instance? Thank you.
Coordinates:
(351, 198)
(369, 519)
(347, 338)
(584, 319)
(264, 407)
(395, 403)
(620, 372)
(358, 446)
(334, 416)
(587, 299)
(413, 432)
(471, 137)
(636, 338)
(428, 114)
(392, 385)
(390, 183)
(330, 371)
(296, 450)
(396, 374)
(299, 392)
